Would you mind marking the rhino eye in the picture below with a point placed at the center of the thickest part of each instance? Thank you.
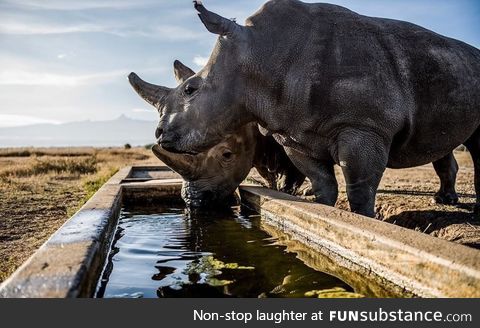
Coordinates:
(227, 155)
(189, 90)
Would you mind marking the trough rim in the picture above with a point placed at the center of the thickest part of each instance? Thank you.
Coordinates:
(367, 243)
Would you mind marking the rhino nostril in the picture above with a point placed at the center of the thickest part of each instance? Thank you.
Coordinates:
(158, 132)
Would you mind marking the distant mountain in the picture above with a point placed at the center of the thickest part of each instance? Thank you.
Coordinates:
(85, 133)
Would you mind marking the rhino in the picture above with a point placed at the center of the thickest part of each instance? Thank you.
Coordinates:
(212, 176)
(334, 88)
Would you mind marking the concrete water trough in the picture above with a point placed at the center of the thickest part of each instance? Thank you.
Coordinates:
(375, 258)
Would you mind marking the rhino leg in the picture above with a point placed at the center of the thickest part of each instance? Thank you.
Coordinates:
(269, 177)
(363, 157)
(446, 169)
(292, 180)
(473, 146)
(321, 175)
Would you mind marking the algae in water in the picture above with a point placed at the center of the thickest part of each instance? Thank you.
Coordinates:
(209, 267)
(336, 292)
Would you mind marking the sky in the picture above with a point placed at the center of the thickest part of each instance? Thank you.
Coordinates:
(68, 60)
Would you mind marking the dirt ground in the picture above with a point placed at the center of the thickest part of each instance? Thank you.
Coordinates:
(41, 188)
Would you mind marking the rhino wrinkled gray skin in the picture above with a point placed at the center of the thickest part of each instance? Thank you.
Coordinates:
(333, 87)
(211, 177)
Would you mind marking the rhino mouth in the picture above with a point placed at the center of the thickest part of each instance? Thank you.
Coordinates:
(209, 200)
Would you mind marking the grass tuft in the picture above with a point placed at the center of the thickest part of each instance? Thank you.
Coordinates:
(66, 165)
(74, 166)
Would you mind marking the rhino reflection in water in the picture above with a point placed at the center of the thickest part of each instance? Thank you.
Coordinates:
(212, 176)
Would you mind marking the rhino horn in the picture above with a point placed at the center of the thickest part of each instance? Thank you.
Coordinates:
(183, 164)
(181, 71)
(153, 94)
(215, 23)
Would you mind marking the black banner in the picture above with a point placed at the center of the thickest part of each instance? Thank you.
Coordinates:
(240, 312)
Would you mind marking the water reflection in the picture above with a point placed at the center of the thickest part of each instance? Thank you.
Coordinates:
(174, 252)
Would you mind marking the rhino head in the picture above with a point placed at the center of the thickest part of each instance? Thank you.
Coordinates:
(207, 106)
(210, 176)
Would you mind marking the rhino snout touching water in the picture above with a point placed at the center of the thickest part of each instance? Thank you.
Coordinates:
(333, 87)
(212, 176)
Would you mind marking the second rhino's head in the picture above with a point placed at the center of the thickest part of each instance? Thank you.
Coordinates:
(210, 176)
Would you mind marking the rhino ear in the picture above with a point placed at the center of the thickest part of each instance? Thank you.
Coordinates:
(181, 71)
(215, 23)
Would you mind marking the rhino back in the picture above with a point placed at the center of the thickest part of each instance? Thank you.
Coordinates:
(330, 67)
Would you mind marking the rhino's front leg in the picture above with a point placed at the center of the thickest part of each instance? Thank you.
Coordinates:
(320, 173)
(446, 169)
(363, 158)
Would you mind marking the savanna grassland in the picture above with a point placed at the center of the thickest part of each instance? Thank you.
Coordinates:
(41, 188)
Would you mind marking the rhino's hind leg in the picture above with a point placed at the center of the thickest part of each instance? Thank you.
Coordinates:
(292, 179)
(269, 177)
(473, 146)
(446, 169)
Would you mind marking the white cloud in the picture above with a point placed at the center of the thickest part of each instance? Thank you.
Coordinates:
(82, 5)
(9, 120)
(200, 61)
(19, 25)
(28, 28)
(26, 77)
(61, 56)
(161, 32)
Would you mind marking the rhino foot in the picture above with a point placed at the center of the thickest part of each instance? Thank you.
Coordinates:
(446, 198)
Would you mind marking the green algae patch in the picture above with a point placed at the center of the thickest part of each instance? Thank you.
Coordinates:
(210, 267)
(336, 292)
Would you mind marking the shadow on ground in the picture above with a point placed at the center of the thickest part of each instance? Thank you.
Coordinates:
(458, 226)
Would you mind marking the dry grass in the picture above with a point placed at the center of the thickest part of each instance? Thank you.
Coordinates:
(41, 187)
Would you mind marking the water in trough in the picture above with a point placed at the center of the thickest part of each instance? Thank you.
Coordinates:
(166, 251)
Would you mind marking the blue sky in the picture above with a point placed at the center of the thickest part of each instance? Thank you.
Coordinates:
(68, 60)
